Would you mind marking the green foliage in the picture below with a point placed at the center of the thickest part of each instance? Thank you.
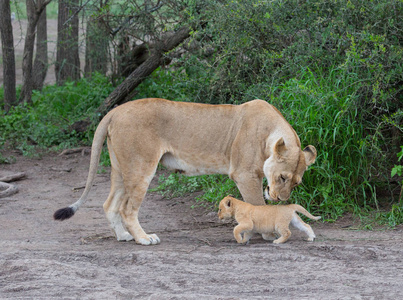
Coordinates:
(333, 68)
(398, 170)
(46, 122)
(6, 160)
(214, 187)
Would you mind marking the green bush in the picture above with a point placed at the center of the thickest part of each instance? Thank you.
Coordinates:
(46, 122)
(333, 68)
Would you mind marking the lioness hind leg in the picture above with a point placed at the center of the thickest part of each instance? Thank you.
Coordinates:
(135, 190)
(112, 205)
(301, 225)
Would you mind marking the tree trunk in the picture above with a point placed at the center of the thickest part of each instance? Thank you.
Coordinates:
(7, 43)
(27, 82)
(67, 65)
(156, 58)
(153, 61)
(41, 58)
(33, 13)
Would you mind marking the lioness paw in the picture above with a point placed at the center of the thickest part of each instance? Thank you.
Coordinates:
(149, 239)
(125, 237)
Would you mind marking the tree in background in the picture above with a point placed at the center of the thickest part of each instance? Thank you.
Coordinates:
(34, 10)
(41, 57)
(67, 66)
(7, 42)
(97, 40)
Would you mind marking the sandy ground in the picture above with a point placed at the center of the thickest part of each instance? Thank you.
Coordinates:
(198, 257)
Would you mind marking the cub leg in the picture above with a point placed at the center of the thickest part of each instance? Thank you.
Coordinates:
(268, 236)
(246, 237)
(112, 205)
(245, 228)
(284, 233)
(297, 222)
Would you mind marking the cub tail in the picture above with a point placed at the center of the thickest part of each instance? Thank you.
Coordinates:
(96, 149)
(300, 209)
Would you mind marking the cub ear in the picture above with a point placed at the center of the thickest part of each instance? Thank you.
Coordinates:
(228, 203)
(310, 155)
(279, 149)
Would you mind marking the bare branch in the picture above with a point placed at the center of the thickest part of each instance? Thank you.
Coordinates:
(76, 12)
(155, 8)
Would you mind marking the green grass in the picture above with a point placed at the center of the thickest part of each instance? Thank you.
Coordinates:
(214, 187)
(323, 109)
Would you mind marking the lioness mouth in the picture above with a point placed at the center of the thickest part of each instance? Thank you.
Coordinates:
(267, 195)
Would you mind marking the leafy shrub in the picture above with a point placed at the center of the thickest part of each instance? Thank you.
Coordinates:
(46, 122)
(333, 68)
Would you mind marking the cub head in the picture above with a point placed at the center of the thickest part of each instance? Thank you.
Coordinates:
(226, 208)
(284, 169)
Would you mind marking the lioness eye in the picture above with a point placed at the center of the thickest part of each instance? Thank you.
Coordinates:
(282, 178)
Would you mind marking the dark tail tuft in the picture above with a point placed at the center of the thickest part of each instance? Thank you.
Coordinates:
(63, 213)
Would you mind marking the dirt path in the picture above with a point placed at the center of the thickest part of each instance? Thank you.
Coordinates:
(197, 258)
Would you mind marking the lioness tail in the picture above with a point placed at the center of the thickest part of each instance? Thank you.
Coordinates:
(96, 149)
(303, 211)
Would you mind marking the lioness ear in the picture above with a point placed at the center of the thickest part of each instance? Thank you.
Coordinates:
(310, 155)
(279, 149)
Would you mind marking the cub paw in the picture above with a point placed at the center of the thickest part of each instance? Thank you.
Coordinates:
(149, 239)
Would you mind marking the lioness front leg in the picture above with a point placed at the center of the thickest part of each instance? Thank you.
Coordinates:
(250, 188)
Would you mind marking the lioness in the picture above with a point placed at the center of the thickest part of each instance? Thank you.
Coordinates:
(264, 219)
(247, 142)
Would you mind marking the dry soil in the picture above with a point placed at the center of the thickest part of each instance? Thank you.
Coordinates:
(198, 257)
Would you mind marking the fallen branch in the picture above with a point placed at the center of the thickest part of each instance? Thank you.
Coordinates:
(75, 150)
(14, 177)
(155, 60)
(67, 170)
(7, 189)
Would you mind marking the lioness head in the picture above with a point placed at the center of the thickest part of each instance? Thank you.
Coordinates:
(225, 208)
(284, 169)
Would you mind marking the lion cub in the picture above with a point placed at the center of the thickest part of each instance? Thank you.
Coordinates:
(264, 219)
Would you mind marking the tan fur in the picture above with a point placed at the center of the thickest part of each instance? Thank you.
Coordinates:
(264, 219)
(247, 142)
